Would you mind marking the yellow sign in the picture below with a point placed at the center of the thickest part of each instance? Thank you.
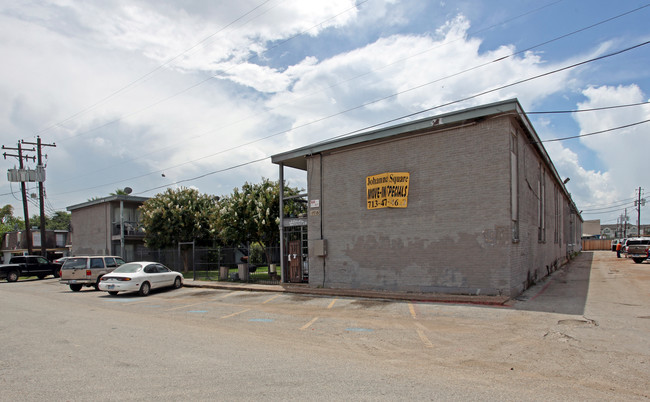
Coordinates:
(387, 190)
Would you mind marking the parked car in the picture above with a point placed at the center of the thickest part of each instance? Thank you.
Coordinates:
(637, 248)
(61, 260)
(78, 272)
(141, 277)
(28, 265)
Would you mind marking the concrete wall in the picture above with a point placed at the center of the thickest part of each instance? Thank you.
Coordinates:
(455, 236)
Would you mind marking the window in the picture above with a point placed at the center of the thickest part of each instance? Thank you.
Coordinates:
(60, 239)
(162, 269)
(96, 263)
(75, 263)
(110, 262)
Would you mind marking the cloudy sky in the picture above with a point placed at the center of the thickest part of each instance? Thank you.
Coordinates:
(151, 94)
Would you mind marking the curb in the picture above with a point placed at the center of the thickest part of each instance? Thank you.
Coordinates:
(369, 294)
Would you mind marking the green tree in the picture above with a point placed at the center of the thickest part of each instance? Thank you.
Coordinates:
(252, 214)
(119, 191)
(8, 222)
(177, 216)
(59, 221)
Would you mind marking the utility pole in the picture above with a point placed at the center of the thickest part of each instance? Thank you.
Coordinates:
(41, 191)
(638, 203)
(23, 191)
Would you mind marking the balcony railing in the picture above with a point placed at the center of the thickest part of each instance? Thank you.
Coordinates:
(131, 228)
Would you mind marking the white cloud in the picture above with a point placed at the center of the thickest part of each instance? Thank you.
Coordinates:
(622, 151)
(620, 154)
(69, 56)
(424, 71)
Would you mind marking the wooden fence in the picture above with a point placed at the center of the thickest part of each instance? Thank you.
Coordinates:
(590, 245)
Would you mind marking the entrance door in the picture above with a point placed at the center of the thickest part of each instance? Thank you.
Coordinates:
(295, 261)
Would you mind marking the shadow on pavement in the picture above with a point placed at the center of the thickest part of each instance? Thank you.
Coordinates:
(564, 292)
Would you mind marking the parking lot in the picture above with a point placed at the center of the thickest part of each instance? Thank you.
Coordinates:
(583, 334)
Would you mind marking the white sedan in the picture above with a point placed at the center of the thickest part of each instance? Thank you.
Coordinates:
(141, 277)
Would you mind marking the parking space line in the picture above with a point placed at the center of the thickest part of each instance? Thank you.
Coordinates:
(332, 303)
(136, 302)
(355, 329)
(272, 298)
(186, 306)
(235, 314)
(424, 339)
(304, 327)
(412, 310)
(123, 300)
(227, 295)
(420, 330)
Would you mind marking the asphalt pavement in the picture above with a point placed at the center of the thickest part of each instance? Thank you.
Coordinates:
(356, 293)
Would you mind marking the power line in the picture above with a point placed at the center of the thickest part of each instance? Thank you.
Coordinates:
(309, 29)
(387, 121)
(613, 204)
(163, 100)
(141, 78)
(591, 109)
(457, 101)
(494, 89)
(598, 132)
(356, 77)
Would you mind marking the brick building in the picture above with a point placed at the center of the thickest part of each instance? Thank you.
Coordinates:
(15, 243)
(466, 202)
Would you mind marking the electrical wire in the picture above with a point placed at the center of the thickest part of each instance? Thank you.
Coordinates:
(391, 120)
(597, 132)
(232, 167)
(613, 204)
(361, 75)
(163, 100)
(589, 110)
(148, 74)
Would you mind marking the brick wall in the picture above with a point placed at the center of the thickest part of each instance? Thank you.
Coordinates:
(455, 236)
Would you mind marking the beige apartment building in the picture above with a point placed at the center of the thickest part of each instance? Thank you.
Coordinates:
(107, 226)
(467, 202)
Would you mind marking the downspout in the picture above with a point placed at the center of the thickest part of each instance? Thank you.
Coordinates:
(321, 213)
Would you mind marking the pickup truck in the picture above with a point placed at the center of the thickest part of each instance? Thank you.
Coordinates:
(637, 249)
(28, 265)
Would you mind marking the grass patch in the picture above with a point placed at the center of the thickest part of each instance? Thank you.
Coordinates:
(260, 274)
